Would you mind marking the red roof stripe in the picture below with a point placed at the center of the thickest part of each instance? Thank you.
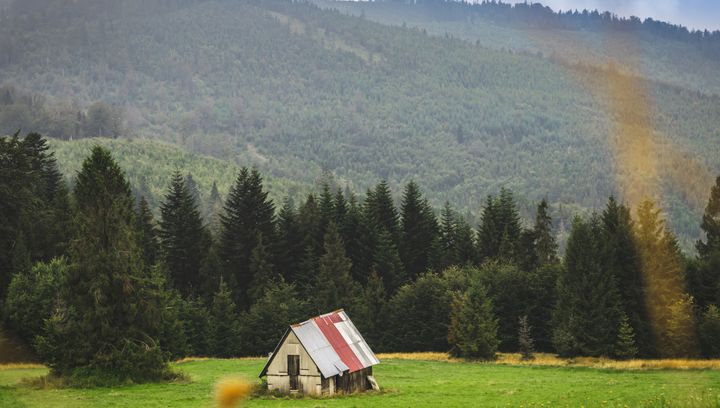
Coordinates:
(337, 341)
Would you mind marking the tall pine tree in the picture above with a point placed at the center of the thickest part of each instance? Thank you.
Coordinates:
(624, 264)
(111, 312)
(418, 230)
(334, 288)
(248, 212)
(588, 311)
(183, 238)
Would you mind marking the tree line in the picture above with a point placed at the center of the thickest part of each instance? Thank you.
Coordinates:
(97, 285)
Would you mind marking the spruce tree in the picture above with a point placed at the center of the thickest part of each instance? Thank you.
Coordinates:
(625, 347)
(381, 212)
(445, 249)
(490, 230)
(193, 188)
(212, 210)
(262, 270)
(110, 316)
(546, 246)
(147, 234)
(35, 210)
(183, 239)
(704, 274)
(196, 322)
(525, 341)
(588, 306)
(663, 276)
(473, 327)
(311, 244)
(334, 288)
(680, 336)
(290, 248)
(387, 263)
(465, 242)
(624, 263)
(370, 315)
(711, 223)
(326, 207)
(224, 325)
(248, 212)
(418, 231)
(360, 239)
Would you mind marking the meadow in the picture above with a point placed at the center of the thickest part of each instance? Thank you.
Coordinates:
(407, 381)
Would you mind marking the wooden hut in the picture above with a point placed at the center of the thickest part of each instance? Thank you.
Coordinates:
(323, 355)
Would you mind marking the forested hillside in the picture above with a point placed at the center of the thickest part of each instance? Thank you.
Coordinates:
(297, 91)
(147, 165)
(655, 49)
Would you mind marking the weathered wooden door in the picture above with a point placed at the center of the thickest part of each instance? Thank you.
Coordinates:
(293, 364)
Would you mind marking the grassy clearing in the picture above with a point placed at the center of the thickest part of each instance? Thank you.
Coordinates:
(406, 382)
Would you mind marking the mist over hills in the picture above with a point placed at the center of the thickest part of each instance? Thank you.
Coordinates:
(459, 103)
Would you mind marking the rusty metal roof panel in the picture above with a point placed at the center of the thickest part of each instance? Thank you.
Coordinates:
(319, 349)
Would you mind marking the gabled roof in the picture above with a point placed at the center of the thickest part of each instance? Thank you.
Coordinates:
(333, 342)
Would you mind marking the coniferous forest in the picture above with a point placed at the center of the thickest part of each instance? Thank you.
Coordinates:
(187, 177)
(96, 284)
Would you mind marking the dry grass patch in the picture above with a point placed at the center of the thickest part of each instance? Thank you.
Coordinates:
(20, 366)
(552, 360)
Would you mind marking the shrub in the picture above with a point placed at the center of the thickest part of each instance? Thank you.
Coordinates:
(473, 332)
(31, 297)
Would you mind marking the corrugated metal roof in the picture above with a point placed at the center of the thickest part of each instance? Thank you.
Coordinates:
(334, 344)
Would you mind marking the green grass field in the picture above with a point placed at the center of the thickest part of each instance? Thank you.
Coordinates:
(406, 383)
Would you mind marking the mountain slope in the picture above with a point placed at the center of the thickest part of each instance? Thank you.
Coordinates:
(298, 91)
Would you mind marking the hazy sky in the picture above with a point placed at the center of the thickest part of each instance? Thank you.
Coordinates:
(694, 14)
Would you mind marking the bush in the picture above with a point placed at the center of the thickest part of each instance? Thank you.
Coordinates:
(473, 332)
(31, 297)
(418, 316)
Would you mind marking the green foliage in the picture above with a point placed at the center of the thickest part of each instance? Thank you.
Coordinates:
(32, 297)
(182, 236)
(110, 315)
(515, 293)
(709, 329)
(473, 326)
(418, 230)
(624, 263)
(264, 323)
(248, 215)
(35, 214)
(147, 232)
(261, 270)
(224, 339)
(196, 323)
(588, 306)
(625, 347)
(418, 316)
(361, 100)
(679, 339)
(334, 287)
(387, 263)
(369, 314)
